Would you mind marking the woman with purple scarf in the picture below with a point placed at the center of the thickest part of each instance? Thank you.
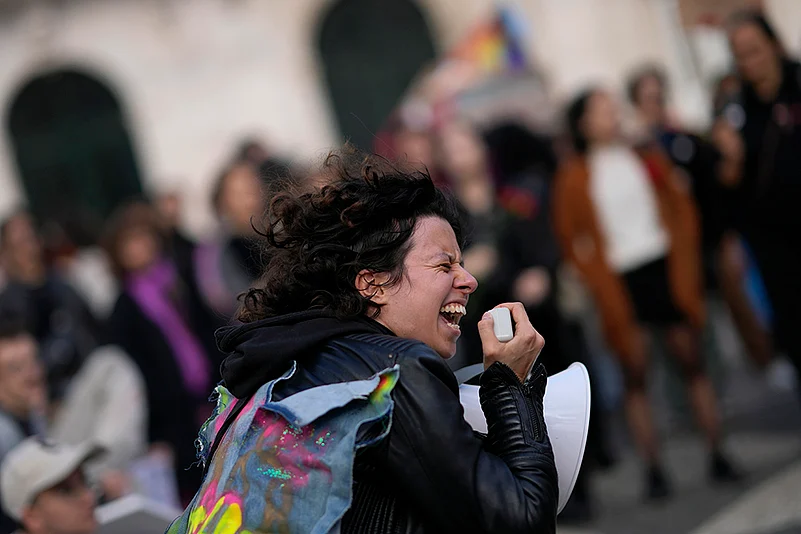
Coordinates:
(160, 321)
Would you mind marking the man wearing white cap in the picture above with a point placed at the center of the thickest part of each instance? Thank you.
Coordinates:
(42, 486)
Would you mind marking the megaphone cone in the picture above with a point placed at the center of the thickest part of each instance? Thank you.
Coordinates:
(567, 416)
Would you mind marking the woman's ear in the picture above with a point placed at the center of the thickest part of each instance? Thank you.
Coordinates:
(371, 286)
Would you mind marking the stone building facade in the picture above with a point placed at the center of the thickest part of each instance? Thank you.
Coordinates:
(191, 78)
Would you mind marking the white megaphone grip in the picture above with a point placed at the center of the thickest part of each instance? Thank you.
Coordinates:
(567, 416)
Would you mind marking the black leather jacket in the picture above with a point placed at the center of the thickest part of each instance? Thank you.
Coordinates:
(433, 473)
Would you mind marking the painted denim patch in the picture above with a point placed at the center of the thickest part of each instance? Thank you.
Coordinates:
(287, 466)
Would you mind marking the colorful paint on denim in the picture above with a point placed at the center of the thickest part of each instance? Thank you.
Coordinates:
(270, 475)
(386, 384)
(223, 516)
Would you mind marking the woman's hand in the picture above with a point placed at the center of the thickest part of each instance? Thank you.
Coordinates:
(521, 352)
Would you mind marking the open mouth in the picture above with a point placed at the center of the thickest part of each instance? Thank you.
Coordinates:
(453, 313)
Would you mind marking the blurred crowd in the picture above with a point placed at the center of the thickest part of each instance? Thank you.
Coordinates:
(615, 232)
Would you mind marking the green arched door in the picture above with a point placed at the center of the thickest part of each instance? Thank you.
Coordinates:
(371, 51)
(72, 147)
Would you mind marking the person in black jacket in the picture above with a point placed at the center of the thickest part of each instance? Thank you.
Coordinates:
(767, 116)
(161, 323)
(50, 309)
(365, 275)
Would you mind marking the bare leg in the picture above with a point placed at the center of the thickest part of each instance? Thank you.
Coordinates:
(684, 346)
(640, 418)
(731, 273)
(638, 408)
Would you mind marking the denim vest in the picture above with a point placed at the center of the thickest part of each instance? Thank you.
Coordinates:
(287, 466)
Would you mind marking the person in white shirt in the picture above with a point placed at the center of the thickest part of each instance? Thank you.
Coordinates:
(625, 219)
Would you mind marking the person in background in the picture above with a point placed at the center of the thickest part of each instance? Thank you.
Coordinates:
(106, 404)
(179, 246)
(411, 144)
(159, 323)
(23, 390)
(647, 92)
(628, 224)
(228, 265)
(704, 165)
(75, 255)
(43, 487)
(23, 393)
(525, 163)
(463, 160)
(764, 136)
(50, 309)
(256, 154)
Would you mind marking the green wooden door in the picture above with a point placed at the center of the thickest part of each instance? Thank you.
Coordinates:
(72, 147)
(371, 51)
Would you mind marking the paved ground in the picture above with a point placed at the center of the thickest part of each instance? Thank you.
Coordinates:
(764, 437)
(774, 506)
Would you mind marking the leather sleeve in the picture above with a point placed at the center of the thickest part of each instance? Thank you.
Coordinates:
(456, 482)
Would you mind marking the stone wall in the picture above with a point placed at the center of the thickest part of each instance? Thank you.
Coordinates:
(195, 77)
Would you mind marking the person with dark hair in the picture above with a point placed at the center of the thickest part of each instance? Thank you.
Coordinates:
(626, 221)
(179, 246)
(338, 410)
(162, 326)
(646, 89)
(23, 393)
(229, 263)
(706, 166)
(463, 159)
(23, 390)
(525, 163)
(51, 310)
(767, 117)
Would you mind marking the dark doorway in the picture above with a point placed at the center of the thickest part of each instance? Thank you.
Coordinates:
(72, 147)
(371, 51)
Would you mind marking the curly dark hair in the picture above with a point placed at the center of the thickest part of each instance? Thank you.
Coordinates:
(318, 239)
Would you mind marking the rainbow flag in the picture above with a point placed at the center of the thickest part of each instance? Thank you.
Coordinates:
(497, 45)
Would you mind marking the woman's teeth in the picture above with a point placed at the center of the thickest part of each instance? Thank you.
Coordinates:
(452, 313)
(453, 308)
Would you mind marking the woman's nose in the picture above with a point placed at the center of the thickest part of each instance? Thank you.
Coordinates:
(465, 281)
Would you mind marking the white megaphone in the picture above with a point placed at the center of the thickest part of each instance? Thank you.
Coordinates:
(567, 416)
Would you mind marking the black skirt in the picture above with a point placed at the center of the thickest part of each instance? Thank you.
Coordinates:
(649, 288)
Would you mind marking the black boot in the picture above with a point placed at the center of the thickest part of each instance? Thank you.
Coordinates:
(657, 485)
(721, 469)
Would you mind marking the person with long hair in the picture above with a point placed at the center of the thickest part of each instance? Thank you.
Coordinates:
(163, 326)
(338, 411)
(628, 224)
(767, 117)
